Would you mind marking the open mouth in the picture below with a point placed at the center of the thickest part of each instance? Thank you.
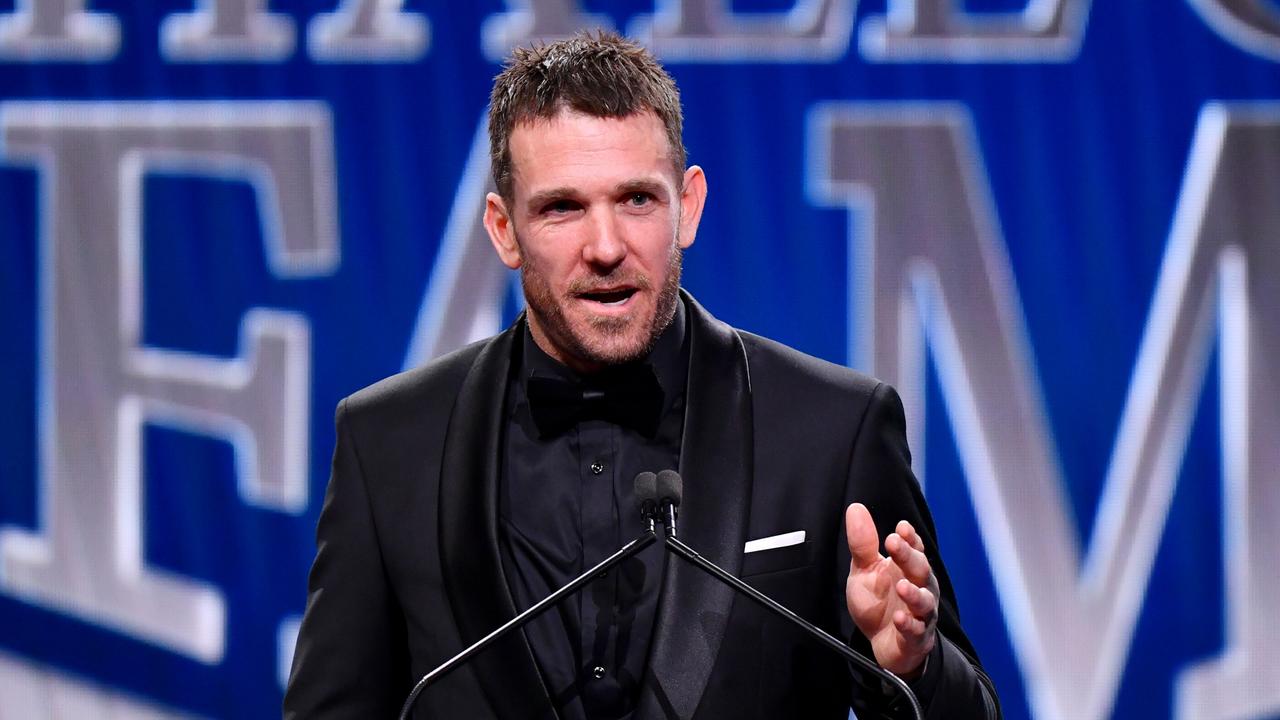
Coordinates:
(609, 297)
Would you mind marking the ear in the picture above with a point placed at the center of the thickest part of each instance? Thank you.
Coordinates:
(502, 231)
(692, 198)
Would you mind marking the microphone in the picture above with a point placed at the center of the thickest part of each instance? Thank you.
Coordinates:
(669, 491)
(670, 488)
(646, 490)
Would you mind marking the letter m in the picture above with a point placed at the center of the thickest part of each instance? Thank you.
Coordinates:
(932, 275)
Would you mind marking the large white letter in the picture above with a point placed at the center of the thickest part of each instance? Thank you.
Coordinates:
(227, 30)
(34, 692)
(100, 384)
(940, 279)
(368, 31)
(530, 20)
(58, 30)
(707, 31)
(913, 30)
(1251, 25)
(463, 299)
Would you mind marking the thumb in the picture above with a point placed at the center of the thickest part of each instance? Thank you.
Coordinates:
(860, 529)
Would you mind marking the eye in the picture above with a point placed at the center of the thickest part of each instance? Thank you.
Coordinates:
(639, 199)
(559, 207)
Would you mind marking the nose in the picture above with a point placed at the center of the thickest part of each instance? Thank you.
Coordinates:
(606, 248)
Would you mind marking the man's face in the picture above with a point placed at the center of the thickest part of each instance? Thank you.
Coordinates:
(596, 225)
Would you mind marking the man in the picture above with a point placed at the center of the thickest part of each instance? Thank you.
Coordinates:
(468, 489)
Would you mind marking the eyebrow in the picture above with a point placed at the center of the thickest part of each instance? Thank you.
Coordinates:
(652, 187)
(539, 199)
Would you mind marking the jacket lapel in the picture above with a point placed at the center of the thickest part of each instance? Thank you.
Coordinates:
(716, 467)
(474, 580)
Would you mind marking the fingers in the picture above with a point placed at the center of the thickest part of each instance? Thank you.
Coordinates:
(913, 629)
(860, 529)
(908, 555)
(908, 533)
(920, 601)
(918, 620)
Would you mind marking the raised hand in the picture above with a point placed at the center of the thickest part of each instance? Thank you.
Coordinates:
(893, 600)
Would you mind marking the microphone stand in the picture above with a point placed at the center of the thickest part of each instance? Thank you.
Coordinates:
(647, 538)
(676, 546)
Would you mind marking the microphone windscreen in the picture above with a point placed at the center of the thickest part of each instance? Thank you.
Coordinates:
(670, 486)
(646, 488)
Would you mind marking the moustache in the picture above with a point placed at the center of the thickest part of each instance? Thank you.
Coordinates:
(589, 285)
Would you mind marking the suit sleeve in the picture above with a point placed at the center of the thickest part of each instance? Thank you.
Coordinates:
(351, 659)
(954, 685)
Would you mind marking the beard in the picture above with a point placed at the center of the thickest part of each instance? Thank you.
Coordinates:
(594, 341)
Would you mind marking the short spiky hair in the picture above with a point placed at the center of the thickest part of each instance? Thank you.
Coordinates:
(600, 74)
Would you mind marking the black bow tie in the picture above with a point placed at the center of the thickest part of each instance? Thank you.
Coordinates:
(629, 396)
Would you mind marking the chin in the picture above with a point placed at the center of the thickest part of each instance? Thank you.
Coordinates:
(595, 339)
(612, 346)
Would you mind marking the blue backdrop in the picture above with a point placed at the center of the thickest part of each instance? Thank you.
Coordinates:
(219, 218)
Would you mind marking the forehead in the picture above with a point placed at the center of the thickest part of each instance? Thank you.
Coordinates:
(572, 149)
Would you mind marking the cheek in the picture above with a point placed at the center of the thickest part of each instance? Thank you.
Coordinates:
(656, 229)
(541, 244)
(658, 247)
(552, 267)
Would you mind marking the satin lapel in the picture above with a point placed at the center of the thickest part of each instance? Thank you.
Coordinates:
(716, 466)
(477, 588)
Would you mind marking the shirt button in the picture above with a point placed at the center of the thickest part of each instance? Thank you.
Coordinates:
(597, 672)
(597, 468)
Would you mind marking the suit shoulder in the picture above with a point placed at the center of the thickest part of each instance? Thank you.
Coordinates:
(432, 386)
(772, 362)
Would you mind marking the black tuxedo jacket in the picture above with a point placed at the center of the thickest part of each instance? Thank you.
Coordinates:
(407, 569)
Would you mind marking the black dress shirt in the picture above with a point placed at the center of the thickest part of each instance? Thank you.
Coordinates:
(566, 502)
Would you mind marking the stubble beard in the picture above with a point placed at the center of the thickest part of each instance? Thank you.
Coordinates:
(608, 340)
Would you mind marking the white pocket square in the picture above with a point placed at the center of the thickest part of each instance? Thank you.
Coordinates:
(774, 541)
